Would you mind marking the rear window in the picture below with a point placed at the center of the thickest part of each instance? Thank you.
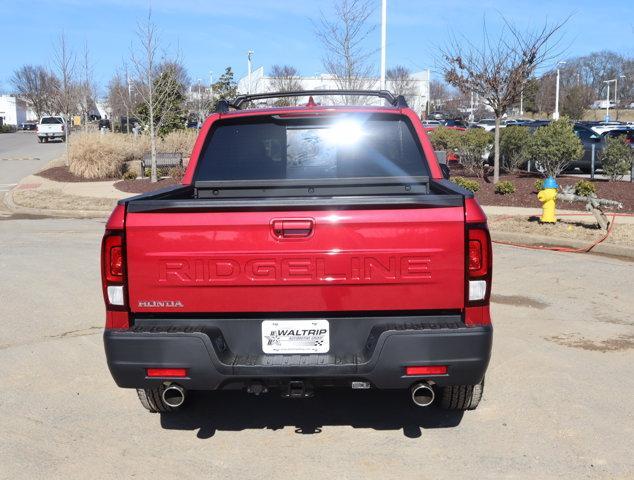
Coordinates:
(341, 147)
(51, 120)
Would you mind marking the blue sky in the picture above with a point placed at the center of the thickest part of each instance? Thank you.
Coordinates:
(212, 34)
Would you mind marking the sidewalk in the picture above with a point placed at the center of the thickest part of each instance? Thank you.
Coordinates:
(40, 196)
(37, 195)
(492, 210)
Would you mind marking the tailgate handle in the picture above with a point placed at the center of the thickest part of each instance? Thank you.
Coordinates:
(292, 228)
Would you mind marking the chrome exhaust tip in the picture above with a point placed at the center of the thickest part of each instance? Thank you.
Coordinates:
(422, 394)
(173, 395)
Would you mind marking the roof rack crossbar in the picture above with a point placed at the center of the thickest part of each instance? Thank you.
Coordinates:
(397, 101)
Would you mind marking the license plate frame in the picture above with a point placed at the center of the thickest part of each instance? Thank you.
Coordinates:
(288, 337)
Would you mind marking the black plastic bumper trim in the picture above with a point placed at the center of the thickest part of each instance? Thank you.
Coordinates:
(465, 351)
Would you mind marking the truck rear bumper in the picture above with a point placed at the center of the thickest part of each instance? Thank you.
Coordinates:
(211, 365)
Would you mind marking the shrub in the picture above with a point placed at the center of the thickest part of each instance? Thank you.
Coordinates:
(585, 188)
(554, 147)
(472, 147)
(514, 147)
(160, 172)
(505, 187)
(539, 184)
(616, 158)
(129, 175)
(471, 185)
(445, 139)
(7, 129)
(178, 141)
(177, 173)
(95, 156)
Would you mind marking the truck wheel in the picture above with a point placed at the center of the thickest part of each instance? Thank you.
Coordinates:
(45, 139)
(152, 400)
(39, 139)
(462, 397)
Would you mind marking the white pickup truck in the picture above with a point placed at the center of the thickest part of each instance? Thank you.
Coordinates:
(51, 128)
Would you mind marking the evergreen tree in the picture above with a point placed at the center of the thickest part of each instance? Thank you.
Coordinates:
(169, 113)
(225, 88)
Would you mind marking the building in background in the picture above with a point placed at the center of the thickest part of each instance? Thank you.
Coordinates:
(15, 111)
(261, 83)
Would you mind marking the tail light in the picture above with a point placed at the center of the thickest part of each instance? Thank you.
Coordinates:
(478, 269)
(62, 127)
(113, 272)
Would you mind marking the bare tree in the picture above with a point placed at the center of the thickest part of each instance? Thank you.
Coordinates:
(498, 68)
(37, 86)
(545, 95)
(285, 78)
(343, 37)
(438, 94)
(66, 95)
(87, 87)
(401, 82)
(151, 73)
(122, 95)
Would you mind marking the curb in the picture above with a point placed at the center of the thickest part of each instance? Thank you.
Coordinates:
(13, 207)
(541, 240)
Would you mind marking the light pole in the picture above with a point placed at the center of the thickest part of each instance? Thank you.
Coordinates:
(607, 100)
(556, 112)
(616, 94)
(522, 101)
(383, 40)
(249, 57)
(127, 106)
(471, 116)
(200, 102)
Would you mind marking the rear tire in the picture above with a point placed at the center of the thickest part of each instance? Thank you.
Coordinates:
(462, 397)
(152, 400)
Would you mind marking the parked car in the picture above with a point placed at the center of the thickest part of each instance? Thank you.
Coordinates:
(487, 124)
(602, 127)
(454, 122)
(104, 123)
(307, 247)
(432, 123)
(589, 138)
(28, 126)
(51, 128)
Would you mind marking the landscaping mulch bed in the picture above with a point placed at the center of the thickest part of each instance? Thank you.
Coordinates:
(62, 174)
(143, 185)
(526, 195)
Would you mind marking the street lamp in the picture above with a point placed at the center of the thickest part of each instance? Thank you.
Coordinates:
(249, 57)
(127, 105)
(607, 99)
(383, 40)
(556, 112)
(616, 95)
(200, 102)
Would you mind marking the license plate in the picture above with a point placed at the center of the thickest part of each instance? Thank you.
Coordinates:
(295, 336)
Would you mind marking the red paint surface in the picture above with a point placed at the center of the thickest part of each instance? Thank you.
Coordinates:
(353, 260)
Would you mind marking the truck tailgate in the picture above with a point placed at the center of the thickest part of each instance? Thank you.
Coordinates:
(300, 261)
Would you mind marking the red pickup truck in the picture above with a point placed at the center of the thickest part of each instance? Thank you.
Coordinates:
(307, 247)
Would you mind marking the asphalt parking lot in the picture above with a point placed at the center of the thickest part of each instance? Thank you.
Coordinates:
(557, 401)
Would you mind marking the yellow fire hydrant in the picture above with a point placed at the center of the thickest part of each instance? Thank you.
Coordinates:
(548, 196)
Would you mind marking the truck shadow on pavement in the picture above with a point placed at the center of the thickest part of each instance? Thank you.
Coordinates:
(209, 412)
